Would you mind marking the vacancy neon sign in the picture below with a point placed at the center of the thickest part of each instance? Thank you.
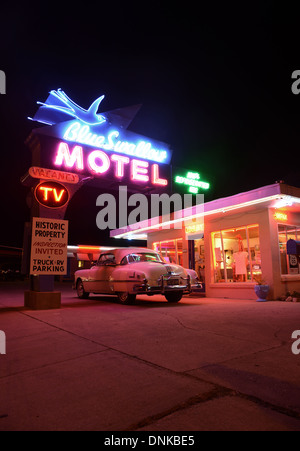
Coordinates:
(98, 163)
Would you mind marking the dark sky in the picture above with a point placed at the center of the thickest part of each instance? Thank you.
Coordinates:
(214, 79)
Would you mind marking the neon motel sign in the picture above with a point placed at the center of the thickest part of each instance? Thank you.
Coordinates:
(98, 163)
(113, 147)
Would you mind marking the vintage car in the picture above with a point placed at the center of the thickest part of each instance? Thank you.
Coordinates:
(132, 271)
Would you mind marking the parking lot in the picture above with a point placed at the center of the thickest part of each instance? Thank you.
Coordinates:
(200, 365)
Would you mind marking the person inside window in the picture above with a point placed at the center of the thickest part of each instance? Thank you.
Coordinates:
(240, 259)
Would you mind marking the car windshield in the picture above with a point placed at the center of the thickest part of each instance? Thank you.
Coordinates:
(145, 257)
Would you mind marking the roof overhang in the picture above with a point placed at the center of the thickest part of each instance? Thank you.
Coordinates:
(272, 196)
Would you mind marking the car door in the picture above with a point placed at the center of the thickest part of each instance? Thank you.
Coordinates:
(100, 274)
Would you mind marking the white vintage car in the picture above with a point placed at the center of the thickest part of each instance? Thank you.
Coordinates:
(132, 271)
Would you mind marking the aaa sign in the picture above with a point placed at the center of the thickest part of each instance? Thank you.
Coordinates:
(51, 194)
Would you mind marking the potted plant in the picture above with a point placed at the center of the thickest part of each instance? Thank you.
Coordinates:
(295, 296)
(261, 289)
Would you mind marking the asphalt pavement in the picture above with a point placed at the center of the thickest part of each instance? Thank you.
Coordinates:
(200, 365)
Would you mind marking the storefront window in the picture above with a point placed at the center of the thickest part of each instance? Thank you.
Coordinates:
(236, 254)
(200, 259)
(171, 250)
(285, 233)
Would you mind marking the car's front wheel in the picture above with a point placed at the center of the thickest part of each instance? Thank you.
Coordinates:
(81, 293)
(126, 298)
(174, 297)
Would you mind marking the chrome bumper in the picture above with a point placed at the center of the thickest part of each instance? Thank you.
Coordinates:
(164, 286)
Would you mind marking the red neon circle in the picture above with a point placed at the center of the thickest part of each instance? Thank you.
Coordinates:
(51, 194)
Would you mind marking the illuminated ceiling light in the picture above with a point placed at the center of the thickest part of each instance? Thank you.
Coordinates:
(138, 236)
(286, 201)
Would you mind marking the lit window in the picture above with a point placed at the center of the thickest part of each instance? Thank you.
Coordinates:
(285, 233)
(171, 250)
(236, 254)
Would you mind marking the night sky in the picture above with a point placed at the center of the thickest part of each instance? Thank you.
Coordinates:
(214, 83)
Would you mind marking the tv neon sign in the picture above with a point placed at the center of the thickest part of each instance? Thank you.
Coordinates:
(51, 194)
(192, 180)
(97, 162)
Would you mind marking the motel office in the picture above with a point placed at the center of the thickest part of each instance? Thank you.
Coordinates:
(234, 241)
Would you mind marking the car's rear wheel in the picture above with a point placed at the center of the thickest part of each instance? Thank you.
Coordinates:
(174, 297)
(81, 293)
(126, 298)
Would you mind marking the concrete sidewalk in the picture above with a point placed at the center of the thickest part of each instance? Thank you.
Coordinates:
(200, 365)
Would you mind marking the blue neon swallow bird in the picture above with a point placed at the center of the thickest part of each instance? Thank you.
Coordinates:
(58, 101)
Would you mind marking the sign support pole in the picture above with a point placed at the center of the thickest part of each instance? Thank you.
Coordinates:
(41, 294)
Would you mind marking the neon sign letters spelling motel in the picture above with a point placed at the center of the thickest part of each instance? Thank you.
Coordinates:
(94, 143)
(98, 162)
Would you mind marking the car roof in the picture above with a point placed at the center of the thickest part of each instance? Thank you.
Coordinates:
(120, 253)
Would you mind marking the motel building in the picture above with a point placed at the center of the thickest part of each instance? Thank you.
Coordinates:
(232, 242)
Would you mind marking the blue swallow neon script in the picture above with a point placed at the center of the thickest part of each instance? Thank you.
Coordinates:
(141, 149)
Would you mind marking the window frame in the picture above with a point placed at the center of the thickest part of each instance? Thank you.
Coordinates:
(223, 254)
(157, 247)
(103, 263)
(297, 236)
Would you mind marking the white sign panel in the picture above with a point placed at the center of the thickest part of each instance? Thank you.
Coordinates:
(293, 264)
(49, 246)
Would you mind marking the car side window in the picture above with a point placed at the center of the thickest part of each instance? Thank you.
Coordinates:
(131, 259)
(128, 259)
(105, 259)
(124, 261)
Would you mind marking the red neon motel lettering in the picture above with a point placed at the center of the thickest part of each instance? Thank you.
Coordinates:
(70, 160)
(120, 163)
(139, 170)
(98, 163)
(155, 176)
